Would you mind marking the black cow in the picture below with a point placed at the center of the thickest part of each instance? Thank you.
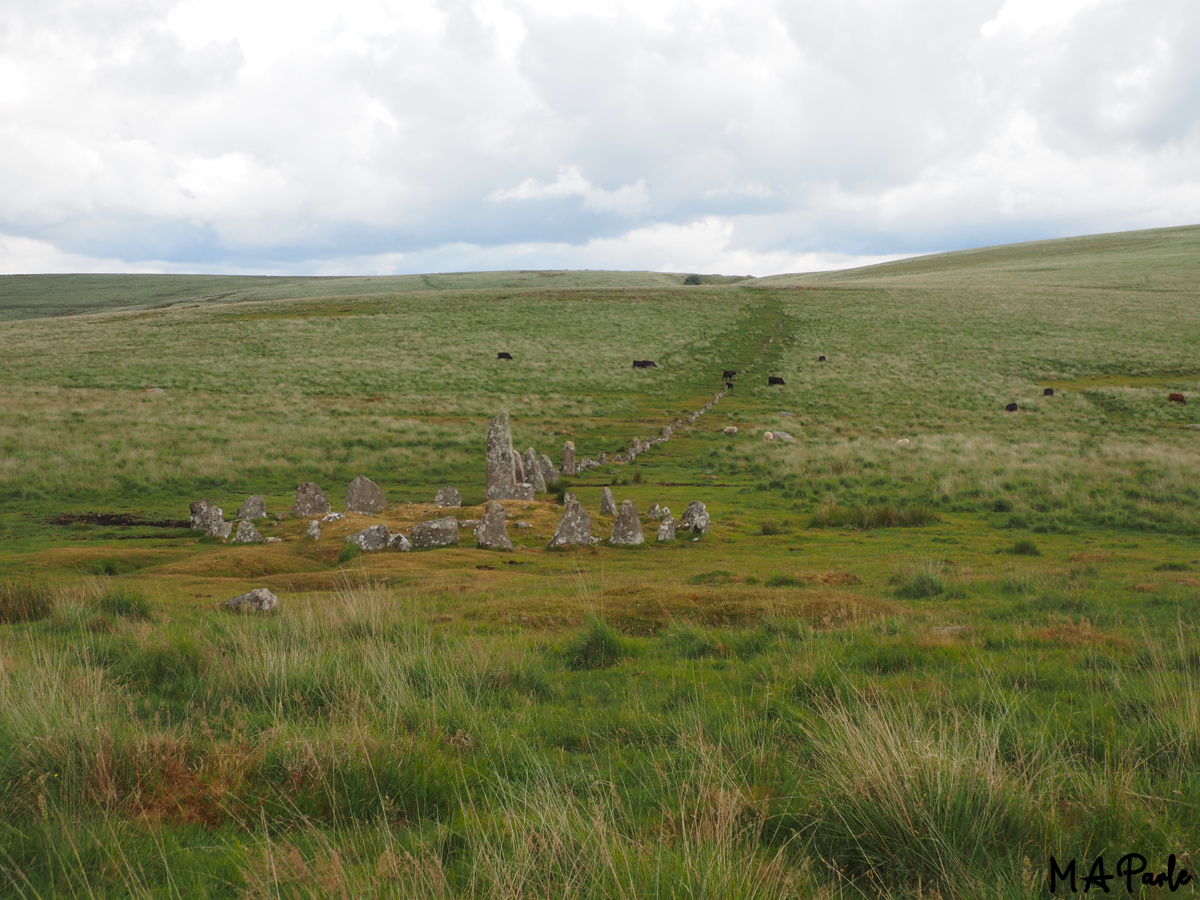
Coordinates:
(1012, 407)
(503, 355)
(774, 379)
(729, 374)
(644, 364)
(821, 358)
(1048, 392)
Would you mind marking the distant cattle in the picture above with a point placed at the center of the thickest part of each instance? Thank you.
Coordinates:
(1012, 407)
(503, 355)
(729, 374)
(773, 380)
(1048, 392)
(821, 358)
(644, 364)
(1177, 398)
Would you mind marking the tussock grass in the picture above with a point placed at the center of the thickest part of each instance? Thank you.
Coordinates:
(25, 600)
(831, 515)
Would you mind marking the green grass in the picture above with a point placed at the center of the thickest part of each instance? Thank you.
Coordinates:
(983, 651)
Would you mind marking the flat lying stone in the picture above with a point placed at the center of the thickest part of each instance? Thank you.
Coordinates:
(437, 533)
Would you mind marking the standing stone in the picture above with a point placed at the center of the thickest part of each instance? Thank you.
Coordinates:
(247, 533)
(491, 534)
(448, 496)
(533, 471)
(549, 473)
(627, 530)
(364, 496)
(519, 468)
(568, 466)
(205, 516)
(654, 512)
(695, 518)
(502, 468)
(370, 539)
(310, 501)
(438, 533)
(259, 600)
(314, 530)
(399, 542)
(666, 529)
(575, 526)
(608, 506)
(255, 507)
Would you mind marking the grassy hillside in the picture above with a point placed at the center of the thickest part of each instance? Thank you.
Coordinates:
(890, 669)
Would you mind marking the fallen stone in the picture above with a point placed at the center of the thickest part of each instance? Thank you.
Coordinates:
(666, 529)
(254, 507)
(491, 533)
(729, 429)
(568, 465)
(259, 600)
(533, 471)
(272, 540)
(695, 518)
(310, 501)
(608, 506)
(627, 530)
(654, 512)
(370, 539)
(437, 533)
(448, 496)
(399, 542)
(786, 415)
(575, 527)
(467, 523)
(363, 496)
(784, 436)
(247, 533)
(314, 530)
(332, 516)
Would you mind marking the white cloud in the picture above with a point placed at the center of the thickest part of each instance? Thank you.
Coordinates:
(627, 200)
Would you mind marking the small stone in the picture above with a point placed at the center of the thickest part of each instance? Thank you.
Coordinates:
(310, 501)
(627, 530)
(437, 533)
(729, 429)
(247, 533)
(568, 465)
(491, 533)
(272, 540)
(363, 496)
(533, 471)
(399, 542)
(259, 600)
(332, 516)
(666, 529)
(155, 391)
(255, 507)
(448, 496)
(370, 539)
(654, 512)
(695, 518)
(786, 415)
(608, 506)
(313, 532)
(524, 526)
(575, 527)
(467, 523)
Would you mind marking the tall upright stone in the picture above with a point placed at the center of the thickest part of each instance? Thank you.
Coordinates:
(502, 480)
(608, 506)
(549, 473)
(533, 471)
(568, 466)
(575, 526)
(519, 469)
(490, 533)
(627, 530)
(364, 496)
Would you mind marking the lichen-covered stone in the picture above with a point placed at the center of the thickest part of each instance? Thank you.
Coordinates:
(568, 466)
(549, 473)
(254, 507)
(370, 539)
(608, 506)
(313, 532)
(259, 600)
(575, 527)
(310, 501)
(533, 471)
(399, 542)
(207, 518)
(448, 496)
(491, 534)
(503, 480)
(247, 533)
(666, 529)
(695, 518)
(437, 533)
(627, 530)
(654, 512)
(363, 496)
(332, 516)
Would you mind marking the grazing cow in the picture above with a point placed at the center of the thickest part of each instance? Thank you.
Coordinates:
(503, 355)
(729, 374)
(1012, 407)
(1048, 392)
(644, 364)
(1177, 398)
(773, 380)
(821, 358)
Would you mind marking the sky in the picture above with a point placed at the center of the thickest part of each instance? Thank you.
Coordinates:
(749, 137)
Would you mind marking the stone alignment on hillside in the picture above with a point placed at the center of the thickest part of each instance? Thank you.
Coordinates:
(491, 534)
(310, 501)
(502, 481)
(575, 527)
(363, 496)
(627, 530)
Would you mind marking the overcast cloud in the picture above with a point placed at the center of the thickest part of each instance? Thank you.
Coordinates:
(747, 137)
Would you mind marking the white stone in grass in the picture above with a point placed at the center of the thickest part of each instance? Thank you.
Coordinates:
(314, 530)
(783, 436)
(332, 516)
(259, 600)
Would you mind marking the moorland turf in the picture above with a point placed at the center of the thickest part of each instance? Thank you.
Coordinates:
(887, 671)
